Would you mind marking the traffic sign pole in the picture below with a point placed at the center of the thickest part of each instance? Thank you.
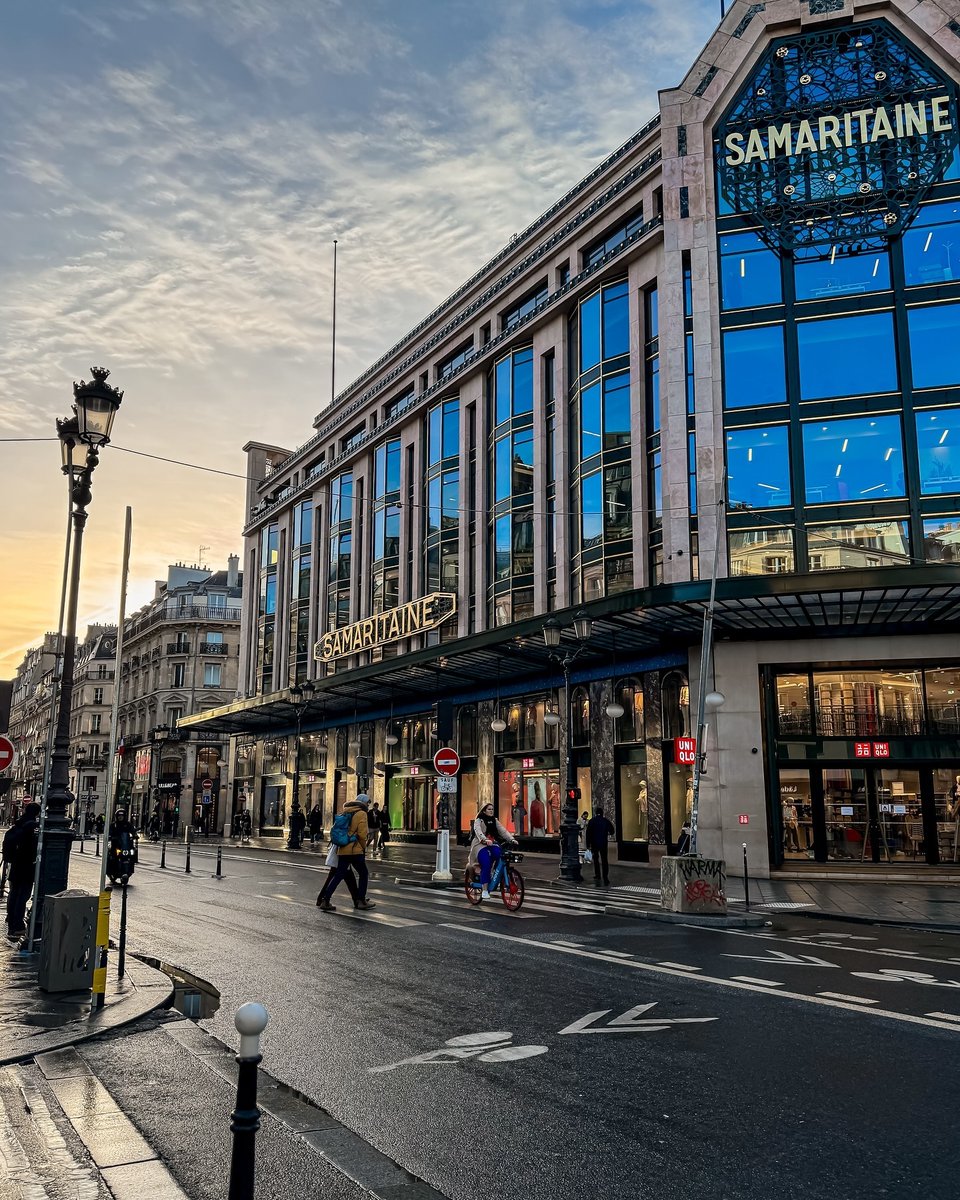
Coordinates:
(446, 763)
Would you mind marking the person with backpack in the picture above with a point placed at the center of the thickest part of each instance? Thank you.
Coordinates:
(20, 855)
(349, 834)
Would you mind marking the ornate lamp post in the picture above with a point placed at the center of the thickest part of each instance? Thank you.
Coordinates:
(302, 694)
(569, 830)
(159, 736)
(95, 405)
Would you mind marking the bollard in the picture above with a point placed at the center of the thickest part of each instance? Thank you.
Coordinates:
(746, 879)
(219, 874)
(97, 850)
(122, 950)
(163, 855)
(186, 869)
(3, 881)
(250, 1021)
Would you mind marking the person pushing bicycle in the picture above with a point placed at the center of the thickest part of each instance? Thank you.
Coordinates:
(488, 835)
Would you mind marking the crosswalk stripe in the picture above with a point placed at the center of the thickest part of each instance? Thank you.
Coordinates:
(380, 918)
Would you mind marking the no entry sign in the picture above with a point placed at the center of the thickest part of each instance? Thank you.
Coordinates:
(446, 761)
(7, 752)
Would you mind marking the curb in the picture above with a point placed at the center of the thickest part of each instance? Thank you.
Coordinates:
(728, 922)
(429, 884)
(895, 922)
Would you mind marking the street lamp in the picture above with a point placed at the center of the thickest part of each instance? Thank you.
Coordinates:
(302, 694)
(159, 736)
(95, 405)
(569, 829)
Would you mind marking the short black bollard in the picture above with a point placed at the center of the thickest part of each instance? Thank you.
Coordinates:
(250, 1021)
(163, 855)
(97, 850)
(219, 874)
(186, 869)
(746, 879)
(122, 949)
(3, 881)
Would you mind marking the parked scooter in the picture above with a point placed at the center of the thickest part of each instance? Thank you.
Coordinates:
(121, 849)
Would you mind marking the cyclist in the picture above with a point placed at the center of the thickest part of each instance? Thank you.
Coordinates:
(488, 836)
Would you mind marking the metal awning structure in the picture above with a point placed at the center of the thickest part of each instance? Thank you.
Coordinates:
(634, 630)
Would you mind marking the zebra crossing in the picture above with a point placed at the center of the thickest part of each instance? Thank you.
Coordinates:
(405, 907)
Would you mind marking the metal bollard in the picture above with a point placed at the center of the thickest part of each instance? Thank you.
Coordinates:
(186, 869)
(746, 879)
(163, 855)
(219, 874)
(122, 948)
(250, 1021)
(97, 850)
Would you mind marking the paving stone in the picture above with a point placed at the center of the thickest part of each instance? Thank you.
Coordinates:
(143, 1181)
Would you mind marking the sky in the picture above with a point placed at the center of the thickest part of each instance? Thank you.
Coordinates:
(172, 176)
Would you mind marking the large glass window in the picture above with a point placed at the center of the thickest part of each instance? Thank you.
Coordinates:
(387, 468)
(938, 445)
(610, 241)
(941, 539)
(856, 544)
(617, 502)
(749, 270)
(616, 321)
(931, 246)
(943, 699)
(857, 703)
(758, 467)
(303, 523)
(592, 509)
(934, 336)
(821, 272)
(616, 411)
(847, 356)
(761, 552)
(590, 333)
(793, 704)
(853, 458)
(753, 367)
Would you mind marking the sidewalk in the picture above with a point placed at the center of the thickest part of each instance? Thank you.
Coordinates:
(934, 905)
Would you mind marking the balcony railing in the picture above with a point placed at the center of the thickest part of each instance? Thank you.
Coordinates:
(178, 647)
(197, 612)
(849, 722)
(213, 647)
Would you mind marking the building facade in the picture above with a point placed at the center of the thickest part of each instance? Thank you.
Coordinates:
(180, 658)
(31, 709)
(725, 357)
(91, 710)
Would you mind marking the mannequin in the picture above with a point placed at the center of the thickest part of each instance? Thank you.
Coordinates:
(643, 831)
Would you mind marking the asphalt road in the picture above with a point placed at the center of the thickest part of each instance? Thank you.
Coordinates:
(559, 1052)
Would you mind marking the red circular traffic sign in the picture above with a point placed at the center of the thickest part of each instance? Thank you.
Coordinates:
(8, 752)
(446, 761)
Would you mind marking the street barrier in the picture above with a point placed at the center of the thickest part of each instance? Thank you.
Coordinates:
(219, 874)
(250, 1021)
(122, 950)
(163, 854)
(186, 869)
(746, 879)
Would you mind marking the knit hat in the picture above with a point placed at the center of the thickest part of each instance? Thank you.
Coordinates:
(362, 799)
(485, 804)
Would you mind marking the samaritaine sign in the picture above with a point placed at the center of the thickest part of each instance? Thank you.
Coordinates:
(836, 136)
(418, 616)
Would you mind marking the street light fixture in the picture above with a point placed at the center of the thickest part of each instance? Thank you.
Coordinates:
(569, 830)
(95, 405)
(302, 694)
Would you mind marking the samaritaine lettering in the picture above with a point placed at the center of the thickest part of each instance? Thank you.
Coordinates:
(860, 127)
(415, 617)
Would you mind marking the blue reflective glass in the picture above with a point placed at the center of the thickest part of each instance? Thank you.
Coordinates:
(305, 523)
(501, 382)
(656, 490)
(450, 499)
(938, 444)
(435, 421)
(853, 458)
(392, 539)
(523, 462)
(451, 429)
(270, 605)
(692, 471)
(590, 333)
(393, 466)
(652, 313)
(433, 505)
(379, 523)
(934, 337)
(758, 467)
(501, 468)
(839, 273)
(616, 321)
(931, 246)
(847, 356)
(690, 379)
(653, 394)
(501, 568)
(380, 471)
(522, 382)
(753, 367)
(616, 411)
(749, 272)
(591, 422)
(591, 493)
(618, 502)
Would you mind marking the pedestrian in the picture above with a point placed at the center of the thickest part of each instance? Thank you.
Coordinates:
(315, 821)
(246, 826)
(352, 825)
(582, 825)
(598, 831)
(100, 823)
(154, 827)
(298, 823)
(20, 855)
(384, 828)
(373, 822)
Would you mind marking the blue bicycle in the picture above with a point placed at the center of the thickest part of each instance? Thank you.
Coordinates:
(504, 876)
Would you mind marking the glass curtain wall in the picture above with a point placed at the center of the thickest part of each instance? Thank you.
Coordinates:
(267, 606)
(341, 551)
(651, 361)
(443, 506)
(511, 472)
(386, 533)
(299, 641)
(600, 435)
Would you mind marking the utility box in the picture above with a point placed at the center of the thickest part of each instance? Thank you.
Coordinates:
(690, 884)
(68, 949)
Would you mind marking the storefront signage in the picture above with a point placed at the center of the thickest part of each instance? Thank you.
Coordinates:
(418, 616)
(685, 751)
(871, 749)
(743, 818)
(836, 136)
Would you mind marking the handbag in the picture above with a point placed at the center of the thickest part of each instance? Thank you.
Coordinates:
(333, 856)
(588, 856)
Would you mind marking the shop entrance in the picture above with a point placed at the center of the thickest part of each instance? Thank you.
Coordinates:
(408, 802)
(888, 814)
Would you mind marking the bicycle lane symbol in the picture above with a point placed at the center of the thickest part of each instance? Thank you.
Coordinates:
(484, 1047)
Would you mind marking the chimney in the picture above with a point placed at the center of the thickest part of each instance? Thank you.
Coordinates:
(233, 570)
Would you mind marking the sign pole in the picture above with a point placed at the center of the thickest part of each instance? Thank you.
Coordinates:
(446, 763)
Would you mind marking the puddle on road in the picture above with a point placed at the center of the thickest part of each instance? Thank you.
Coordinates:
(192, 996)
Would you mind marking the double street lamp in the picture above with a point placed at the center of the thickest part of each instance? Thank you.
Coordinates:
(569, 829)
(95, 406)
(302, 694)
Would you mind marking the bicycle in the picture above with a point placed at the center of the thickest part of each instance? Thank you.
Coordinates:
(504, 876)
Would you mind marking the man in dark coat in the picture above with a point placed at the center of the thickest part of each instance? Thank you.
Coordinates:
(20, 855)
(599, 829)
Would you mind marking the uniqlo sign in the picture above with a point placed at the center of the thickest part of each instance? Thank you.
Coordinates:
(685, 751)
(871, 749)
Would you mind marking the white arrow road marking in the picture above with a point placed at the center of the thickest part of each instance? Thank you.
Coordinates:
(892, 975)
(781, 956)
(631, 1021)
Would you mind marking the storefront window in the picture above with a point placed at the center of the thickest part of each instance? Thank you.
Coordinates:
(938, 444)
(793, 704)
(753, 367)
(934, 335)
(580, 707)
(529, 801)
(796, 813)
(847, 356)
(675, 702)
(822, 272)
(680, 792)
(629, 727)
(864, 703)
(761, 551)
(409, 803)
(758, 467)
(943, 700)
(853, 458)
(858, 544)
(634, 820)
(467, 732)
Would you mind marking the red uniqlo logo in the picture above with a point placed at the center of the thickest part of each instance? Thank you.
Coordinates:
(881, 749)
(744, 818)
(861, 749)
(685, 751)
